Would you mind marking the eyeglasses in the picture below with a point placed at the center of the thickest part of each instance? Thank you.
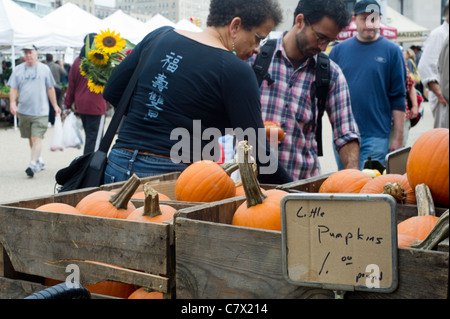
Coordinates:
(321, 40)
(28, 74)
(260, 41)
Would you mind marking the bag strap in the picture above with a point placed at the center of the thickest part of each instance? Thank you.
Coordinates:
(122, 107)
(320, 91)
(262, 62)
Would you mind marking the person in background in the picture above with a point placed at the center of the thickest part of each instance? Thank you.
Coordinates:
(443, 74)
(32, 82)
(193, 80)
(287, 102)
(413, 102)
(90, 106)
(58, 72)
(429, 71)
(375, 70)
(410, 58)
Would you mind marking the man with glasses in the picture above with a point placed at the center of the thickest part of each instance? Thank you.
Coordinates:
(376, 74)
(287, 100)
(31, 82)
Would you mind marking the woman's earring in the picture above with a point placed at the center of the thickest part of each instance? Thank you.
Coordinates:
(234, 49)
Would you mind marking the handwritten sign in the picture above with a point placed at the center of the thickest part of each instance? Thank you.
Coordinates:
(340, 241)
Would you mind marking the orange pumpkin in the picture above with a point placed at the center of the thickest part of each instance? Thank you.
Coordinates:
(59, 208)
(144, 293)
(111, 288)
(428, 163)
(377, 184)
(405, 240)
(204, 181)
(260, 210)
(152, 211)
(345, 181)
(418, 226)
(274, 127)
(110, 204)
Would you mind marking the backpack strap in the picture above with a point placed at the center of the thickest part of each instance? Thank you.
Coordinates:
(319, 90)
(262, 62)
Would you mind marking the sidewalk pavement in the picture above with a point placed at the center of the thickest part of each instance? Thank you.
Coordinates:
(15, 156)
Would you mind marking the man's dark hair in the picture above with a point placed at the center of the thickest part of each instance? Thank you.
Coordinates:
(49, 57)
(253, 13)
(315, 10)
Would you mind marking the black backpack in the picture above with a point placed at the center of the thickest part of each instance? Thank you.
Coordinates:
(319, 89)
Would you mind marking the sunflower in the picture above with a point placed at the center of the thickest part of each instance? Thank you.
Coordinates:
(95, 87)
(98, 57)
(109, 42)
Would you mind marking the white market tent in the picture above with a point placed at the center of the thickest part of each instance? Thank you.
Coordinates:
(187, 25)
(73, 22)
(19, 27)
(156, 22)
(129, 28)
(408, 30)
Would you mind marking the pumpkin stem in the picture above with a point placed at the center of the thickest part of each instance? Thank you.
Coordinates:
(120, 199)
(151, 202)
(425, 203)
(230, 167)
(252, 189)
(395, 190)
(437, 234)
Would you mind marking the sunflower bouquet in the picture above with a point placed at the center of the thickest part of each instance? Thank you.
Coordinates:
(105, 54)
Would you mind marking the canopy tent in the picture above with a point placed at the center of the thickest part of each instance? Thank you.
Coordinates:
(187, 25)
(19, 27)
(156, 22)
(129, 28)
(350, 31)
(73, 22)
(408, 30)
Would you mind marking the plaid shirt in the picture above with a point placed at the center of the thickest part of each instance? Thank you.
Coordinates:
(288, 103)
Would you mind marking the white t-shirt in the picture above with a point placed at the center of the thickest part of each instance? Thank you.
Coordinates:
(32, 83)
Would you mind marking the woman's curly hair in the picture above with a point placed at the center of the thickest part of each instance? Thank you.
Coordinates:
(253, 13)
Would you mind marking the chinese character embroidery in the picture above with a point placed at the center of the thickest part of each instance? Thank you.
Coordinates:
(160, 82)
(171, 62)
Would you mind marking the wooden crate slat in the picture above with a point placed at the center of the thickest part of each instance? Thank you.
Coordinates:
(33, 240)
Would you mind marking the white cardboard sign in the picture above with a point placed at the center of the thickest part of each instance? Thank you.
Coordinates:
(340, 241)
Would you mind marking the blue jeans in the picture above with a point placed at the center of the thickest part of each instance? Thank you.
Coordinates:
(374, 147)
(123, 164)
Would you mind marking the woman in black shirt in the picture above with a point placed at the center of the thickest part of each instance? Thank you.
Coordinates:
(194, 88)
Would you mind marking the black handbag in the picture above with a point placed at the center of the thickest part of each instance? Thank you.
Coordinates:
(88, 170)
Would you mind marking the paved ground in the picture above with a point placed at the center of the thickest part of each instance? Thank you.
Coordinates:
(15, 153)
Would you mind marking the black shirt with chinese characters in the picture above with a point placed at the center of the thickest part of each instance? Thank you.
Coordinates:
(188, 95)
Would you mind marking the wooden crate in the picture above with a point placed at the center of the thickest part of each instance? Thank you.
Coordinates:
(217, 260)
(35, 245)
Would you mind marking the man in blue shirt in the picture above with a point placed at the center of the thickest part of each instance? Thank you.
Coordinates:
(376, 75)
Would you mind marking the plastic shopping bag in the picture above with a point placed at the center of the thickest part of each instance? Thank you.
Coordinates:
(57, 143)
(71, 132)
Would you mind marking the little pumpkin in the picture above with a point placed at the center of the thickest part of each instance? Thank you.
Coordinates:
(152, 211)
(378, 186)
(260, 210)
(417, 227)
(204, 181)
(110, 204)
(59, 208)
(144, 293)
(428, 163)
(345, 181)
